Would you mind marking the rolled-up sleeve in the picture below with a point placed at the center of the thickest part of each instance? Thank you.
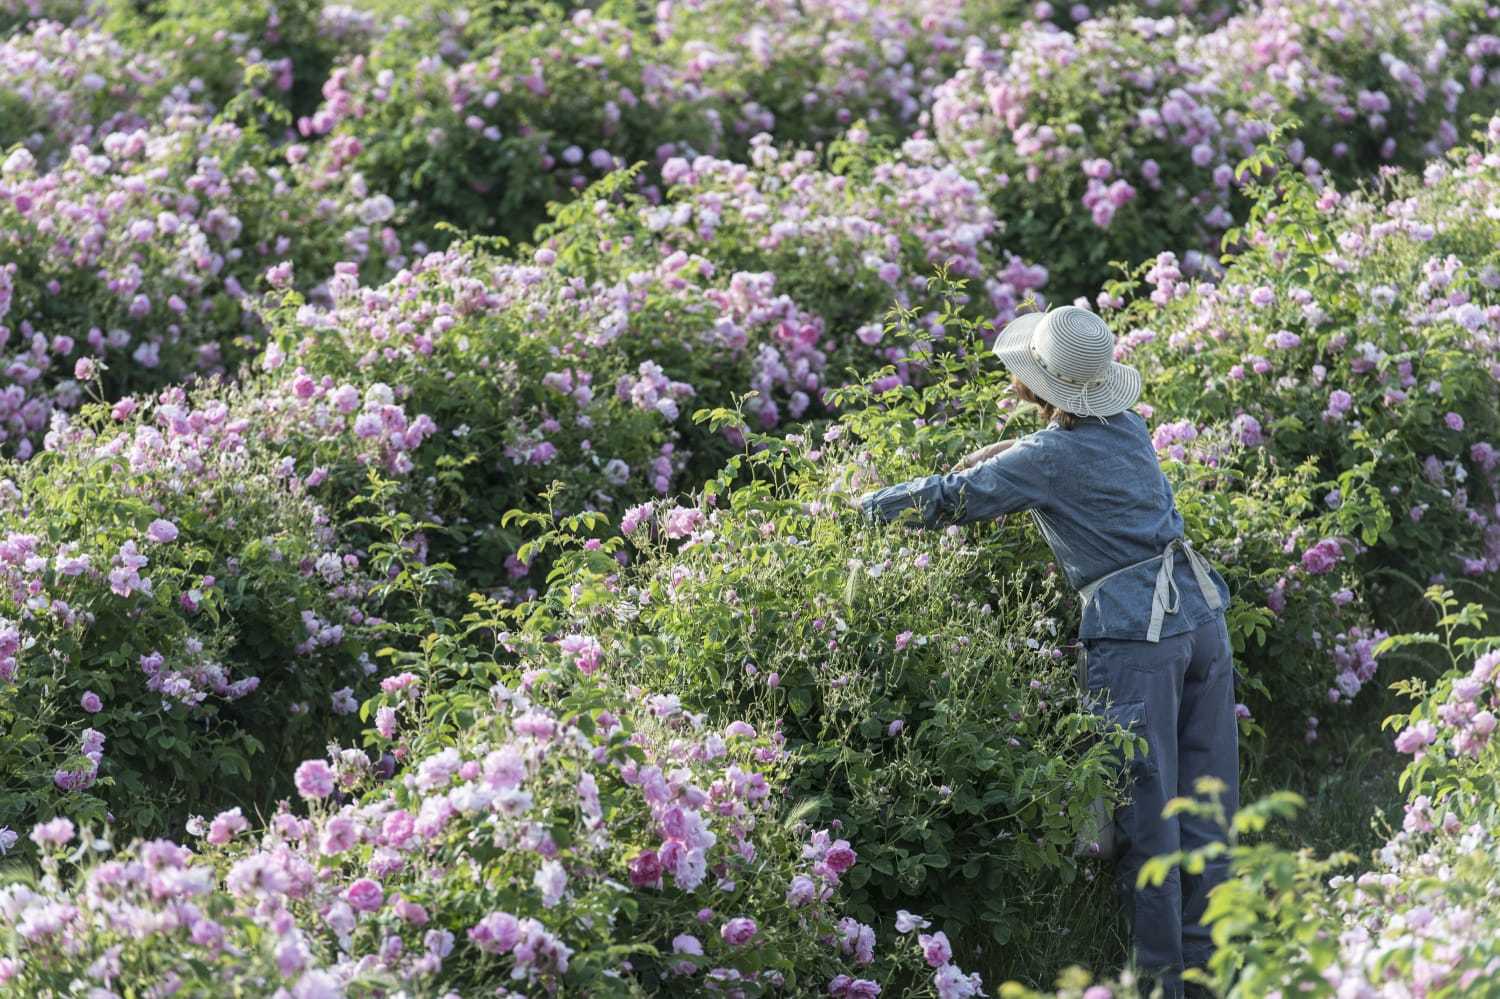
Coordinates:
(1015, 479)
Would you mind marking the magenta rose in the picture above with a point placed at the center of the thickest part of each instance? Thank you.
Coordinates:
(364, 895)
(645, 869)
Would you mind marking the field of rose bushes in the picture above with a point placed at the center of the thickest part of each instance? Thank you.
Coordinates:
(425, 438)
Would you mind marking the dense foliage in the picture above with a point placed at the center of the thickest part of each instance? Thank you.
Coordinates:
(888, 690)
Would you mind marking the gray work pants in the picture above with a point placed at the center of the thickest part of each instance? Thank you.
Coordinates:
(1178, 694)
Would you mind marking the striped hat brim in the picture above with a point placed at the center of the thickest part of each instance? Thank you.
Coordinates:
(1119, 390)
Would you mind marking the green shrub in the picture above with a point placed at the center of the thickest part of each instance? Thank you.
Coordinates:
(921, 682)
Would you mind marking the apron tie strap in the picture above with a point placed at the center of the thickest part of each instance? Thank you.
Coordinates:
(1166, 598)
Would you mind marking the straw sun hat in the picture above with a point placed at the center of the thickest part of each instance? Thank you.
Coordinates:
(1066, 356)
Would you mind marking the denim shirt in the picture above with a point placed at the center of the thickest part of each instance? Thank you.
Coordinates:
(1098, 495)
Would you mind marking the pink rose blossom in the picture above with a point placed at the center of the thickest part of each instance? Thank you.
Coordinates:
(738, 931)
(54, 833)
(225, 826)
(162, 531)
(314, 779)
(935, 948)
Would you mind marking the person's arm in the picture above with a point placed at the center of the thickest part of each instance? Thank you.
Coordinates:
(1015, 479)
(982, 455)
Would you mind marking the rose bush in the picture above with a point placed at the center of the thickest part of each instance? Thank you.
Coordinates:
(484, 131)
(15, 14)
(544, 834)
(479, 383)
(60, 87)
(172, 597)
(142, 256)
(1120, 141)
(484, 127)
(282, 51)
(845, 243)
(570, 368)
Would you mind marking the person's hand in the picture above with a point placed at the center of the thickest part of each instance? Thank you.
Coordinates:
(850, 500)
(842, 492)
(979, 457)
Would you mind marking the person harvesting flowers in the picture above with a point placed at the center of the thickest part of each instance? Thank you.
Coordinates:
(1153, 628)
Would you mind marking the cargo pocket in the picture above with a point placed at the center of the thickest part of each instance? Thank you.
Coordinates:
(1131, 716)
(1106, 830)
(1103, 834)
(1139, 772)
